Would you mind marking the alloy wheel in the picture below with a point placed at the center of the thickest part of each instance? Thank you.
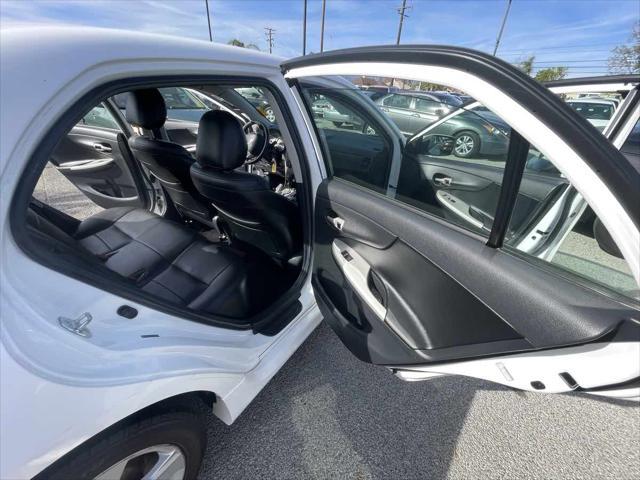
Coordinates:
(159, 462)
(464, 145)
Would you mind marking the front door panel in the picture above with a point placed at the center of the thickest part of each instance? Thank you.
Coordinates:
(95, 160)
(404, 286)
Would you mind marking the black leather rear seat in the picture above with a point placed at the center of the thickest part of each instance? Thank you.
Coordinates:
(169, 260)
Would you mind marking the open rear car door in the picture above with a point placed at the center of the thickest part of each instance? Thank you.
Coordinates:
(424, 296)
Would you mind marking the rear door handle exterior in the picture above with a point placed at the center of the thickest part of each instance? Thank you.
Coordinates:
(102, 147)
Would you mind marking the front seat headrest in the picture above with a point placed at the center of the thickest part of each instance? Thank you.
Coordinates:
(221, 142)
(146, 108)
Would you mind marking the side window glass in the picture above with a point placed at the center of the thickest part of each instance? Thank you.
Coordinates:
(631, 146)
(452, 167)
(353, 144)
(398, 101)
(426, 105)
(99, 117)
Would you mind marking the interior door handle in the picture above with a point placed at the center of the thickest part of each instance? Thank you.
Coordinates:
(102, 147)
(356, 270)
(336, 222)
(442, 180)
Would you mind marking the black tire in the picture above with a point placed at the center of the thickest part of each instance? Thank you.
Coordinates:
(472, 149)
(338, 124)
(181, 429)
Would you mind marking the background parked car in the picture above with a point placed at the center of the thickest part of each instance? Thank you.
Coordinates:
(181, 104)
(256, 97)
(413, 111)
(477, 132)
(597, 111)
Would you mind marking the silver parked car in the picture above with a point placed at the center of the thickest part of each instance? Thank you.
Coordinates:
(413, 111)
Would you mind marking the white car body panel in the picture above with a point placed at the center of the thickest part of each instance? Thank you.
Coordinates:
(57, 377)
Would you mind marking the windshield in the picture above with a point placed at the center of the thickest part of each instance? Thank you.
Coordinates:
(593, 111)
(179, 98)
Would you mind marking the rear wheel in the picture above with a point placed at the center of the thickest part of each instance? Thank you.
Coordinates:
(164, 447)
(466, 144)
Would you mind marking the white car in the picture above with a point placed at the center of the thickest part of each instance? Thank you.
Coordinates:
(199, 276)
(597, 111)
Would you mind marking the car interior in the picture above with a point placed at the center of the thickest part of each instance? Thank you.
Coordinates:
(209, 223)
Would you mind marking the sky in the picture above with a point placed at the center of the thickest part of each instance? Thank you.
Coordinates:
(575, 33)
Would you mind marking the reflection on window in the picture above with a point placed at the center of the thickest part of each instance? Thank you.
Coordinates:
(99, 117)
(180, 98)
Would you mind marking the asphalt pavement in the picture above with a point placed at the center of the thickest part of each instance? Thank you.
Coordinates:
(327, 415)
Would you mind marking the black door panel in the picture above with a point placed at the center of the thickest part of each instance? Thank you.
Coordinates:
(430, 278)
(352, 157)
(94, 161)
(478, 186)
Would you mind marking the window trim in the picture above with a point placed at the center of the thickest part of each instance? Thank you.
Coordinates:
(271, 320)
(302, 89)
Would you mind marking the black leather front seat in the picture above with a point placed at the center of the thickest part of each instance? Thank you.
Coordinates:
(254, 214)
(168, 161)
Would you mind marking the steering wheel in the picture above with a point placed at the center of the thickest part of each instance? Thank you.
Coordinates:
(257, 141)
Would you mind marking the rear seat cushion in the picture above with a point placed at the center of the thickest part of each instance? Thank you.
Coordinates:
(176, 264)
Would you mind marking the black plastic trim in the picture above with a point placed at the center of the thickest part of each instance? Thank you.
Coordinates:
(514, 169)
(42, 152)
(612, 167)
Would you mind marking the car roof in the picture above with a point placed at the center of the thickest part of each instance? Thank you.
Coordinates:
(37, 62)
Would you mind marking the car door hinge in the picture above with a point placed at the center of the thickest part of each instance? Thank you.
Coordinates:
(77, 325)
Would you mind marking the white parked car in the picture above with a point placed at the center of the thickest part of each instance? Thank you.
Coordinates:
(597, 111)
(193, 278)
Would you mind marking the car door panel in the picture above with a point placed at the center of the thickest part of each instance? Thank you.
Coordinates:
(352, 156)
(479, 186)
(95, 161)
(445, 294)
(543, 321)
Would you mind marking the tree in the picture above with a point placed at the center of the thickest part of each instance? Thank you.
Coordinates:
(527, 65)
(237, 43)
(544, 74)
(551, 73)
(626, 58)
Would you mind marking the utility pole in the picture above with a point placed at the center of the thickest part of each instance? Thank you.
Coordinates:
(304, 30)
(206, 2)
(269, 34)
(324, 7)
(504, 21)
(401, 11)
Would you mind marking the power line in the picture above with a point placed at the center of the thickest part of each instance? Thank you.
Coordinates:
(269, 33)
(574, 61)
(563, 47)
(401, 11)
